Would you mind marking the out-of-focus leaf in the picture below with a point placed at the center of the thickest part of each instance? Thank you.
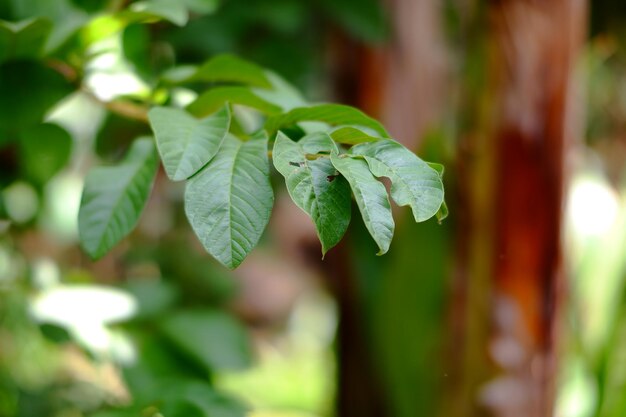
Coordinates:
(153, 296)
(413, 182)
(351, 135)
(213, 339)
(185, 143)
(54, 333)
(315, 185)
(116, 134)
(154, 10)
(229, 202)
(179, 407)
(136, 47)
(114, 197)
(116, 413)
(44, 150)
(364, 19)
(282, 93)
(157, 361)
(45, 88)
(90, 5)
(201, 6)
(332, 114)
(211, 100)
(66, 17)
(371, 197)
(189, 398)
(24, 39)
(229, 68)
(178, 74)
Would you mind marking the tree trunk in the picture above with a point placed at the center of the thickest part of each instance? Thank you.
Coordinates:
(515, 204)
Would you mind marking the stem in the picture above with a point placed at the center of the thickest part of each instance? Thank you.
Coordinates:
(123, 108)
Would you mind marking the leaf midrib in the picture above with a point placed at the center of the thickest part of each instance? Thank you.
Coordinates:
(230, 203)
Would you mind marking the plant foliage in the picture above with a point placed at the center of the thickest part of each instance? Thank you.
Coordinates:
(218, 143)
(225, 129)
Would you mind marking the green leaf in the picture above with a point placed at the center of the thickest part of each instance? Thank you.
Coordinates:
(413, 182)
(179, 74)
(229, 202)
(201, 6)
(351, 135)
(185, 398)
(315, 185)
(154, 297)
(332, 114)
(154, 10)
(229, 68)
(185, 143)
(213, 99)
(114, 197)
(25, 39)
(66, 16)
(371, 197)
(213, 339)
(44, 150)
(116, 413)
(45, 88)
(282, 94)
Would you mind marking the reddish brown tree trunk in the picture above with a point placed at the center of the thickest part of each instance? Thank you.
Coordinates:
(534, 49)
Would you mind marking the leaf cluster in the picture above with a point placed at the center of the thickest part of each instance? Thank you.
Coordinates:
(334, 151)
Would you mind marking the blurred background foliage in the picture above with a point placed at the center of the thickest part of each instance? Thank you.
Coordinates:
(157, 328)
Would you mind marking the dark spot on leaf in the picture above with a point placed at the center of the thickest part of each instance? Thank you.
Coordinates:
(331, 178)
(295, 164)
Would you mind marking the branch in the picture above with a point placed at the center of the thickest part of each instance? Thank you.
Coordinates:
(125, 109)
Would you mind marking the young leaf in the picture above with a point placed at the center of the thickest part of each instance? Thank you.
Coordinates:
(437, 167)
(315, 185)
(442, 213)
(114, 197)
(371, 197)
(185, 143)
(211, 100)
(229, 202)
(229, 68)
(332, 114)
(413, 182)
